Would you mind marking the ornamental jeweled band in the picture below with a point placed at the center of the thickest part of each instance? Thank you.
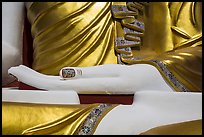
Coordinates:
(139, 24)
(91, 121)
(121, 41)
(67, 73)
(170, 76)
(120, 9)
(133, 29)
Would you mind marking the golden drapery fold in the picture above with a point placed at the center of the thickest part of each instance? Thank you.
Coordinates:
(193, 127)
(71, 34)
(49, 119)
(171, 40)
(167, 35)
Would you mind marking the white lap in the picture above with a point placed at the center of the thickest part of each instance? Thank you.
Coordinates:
(151, 109)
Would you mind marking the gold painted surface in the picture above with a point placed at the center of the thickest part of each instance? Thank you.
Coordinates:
(193, 127)
(45, 119)
(173, 35)
(83, 34)
(71, 34)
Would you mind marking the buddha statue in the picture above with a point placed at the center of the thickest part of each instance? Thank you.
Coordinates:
(149, 49)
(89, 34)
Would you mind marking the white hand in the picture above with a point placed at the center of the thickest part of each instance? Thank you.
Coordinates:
(113, 78)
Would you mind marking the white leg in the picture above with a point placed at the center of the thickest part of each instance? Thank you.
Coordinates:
(151, 109)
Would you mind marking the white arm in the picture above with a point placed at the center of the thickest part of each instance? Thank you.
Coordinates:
(112, 78)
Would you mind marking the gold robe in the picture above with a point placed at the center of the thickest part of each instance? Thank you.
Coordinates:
(168, 36)
(50, 119)
(71, 34)
(193, 127)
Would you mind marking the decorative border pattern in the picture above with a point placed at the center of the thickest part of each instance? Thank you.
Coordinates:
(133, 31)
(170, 76)
(91, 121)
(117, 9)
(121, 41)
